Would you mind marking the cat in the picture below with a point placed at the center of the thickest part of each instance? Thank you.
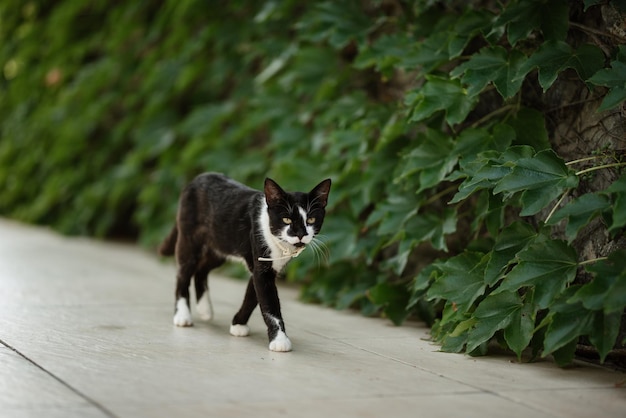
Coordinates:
(219, 219)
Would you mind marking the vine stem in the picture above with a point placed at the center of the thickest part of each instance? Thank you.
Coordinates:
(582, 160)
(580, 173)
(595, 260)
(556, 206)
(599, 167)
(496, 112)
(595, 31)
(436, 197)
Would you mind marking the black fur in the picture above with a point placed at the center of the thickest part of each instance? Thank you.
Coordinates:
(219, 218)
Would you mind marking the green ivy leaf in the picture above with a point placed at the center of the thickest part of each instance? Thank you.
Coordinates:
(503, 311)
(432, 176)
(511, 240)
(473, 141)
(589, 3)
(541, 179)
(593, 294)
(565, 323)
(205, 119)
(466, 27)
(607, 291)
(492, 65)
(519, 332)
(530, 129)
(339, 22)
(615, 79)
(440, 94)
(433, 159)
(617, 192)
(579, 212)
(564, 355)
(432, 227)
(429, 54)
(604, 331)
(614, 97)
(522, 17)
(393, 212)
(450, 344)
(461, 281)
(494, 313)
(547, 266)
(421, 282)
(587, 60)
(393, 298)
(386, 52)
(553, 57)
(343, 235)
(398, 262)
(493, 215)
(485, 178)
(488, 169)
(463, 327)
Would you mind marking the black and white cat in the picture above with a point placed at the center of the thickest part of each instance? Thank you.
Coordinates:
(219, 219)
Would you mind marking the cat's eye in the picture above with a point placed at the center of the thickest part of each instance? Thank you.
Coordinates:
(310, 221)
(287, 221)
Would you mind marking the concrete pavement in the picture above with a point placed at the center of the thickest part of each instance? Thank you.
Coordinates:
(86, 331)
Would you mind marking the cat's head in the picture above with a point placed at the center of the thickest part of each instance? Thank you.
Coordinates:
(296, 217)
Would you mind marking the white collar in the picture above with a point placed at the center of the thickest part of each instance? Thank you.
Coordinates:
(287, 252)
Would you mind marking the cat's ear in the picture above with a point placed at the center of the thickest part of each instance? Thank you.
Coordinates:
(320, 192)
(273, 193)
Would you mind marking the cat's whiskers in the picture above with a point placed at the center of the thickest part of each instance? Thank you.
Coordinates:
(320, 250)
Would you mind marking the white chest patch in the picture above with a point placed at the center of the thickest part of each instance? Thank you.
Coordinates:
(277, 254)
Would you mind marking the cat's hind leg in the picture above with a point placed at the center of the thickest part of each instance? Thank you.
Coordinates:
(187, 265)
(204, 306)
(182, 311)
(239, 327)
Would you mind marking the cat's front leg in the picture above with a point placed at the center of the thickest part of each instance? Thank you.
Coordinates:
(280, 342)
(267, 295)
(182, 313)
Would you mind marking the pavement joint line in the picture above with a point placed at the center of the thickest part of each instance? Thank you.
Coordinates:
(406, 363)
(89, 400)
(476, 389)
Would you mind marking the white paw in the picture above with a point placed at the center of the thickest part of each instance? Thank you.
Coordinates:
(240, 330)
(280, 343)
(182, 317)
(205, 307)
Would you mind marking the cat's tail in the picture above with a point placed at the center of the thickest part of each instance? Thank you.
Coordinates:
(168, 246)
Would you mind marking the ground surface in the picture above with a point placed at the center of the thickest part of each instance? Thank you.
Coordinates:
(86, 331)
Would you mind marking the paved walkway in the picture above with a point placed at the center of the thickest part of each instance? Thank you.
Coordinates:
(86, 331)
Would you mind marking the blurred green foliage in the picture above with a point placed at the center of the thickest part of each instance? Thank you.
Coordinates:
(416, 109)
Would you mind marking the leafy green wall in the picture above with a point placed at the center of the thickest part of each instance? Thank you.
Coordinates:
(465, 141)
